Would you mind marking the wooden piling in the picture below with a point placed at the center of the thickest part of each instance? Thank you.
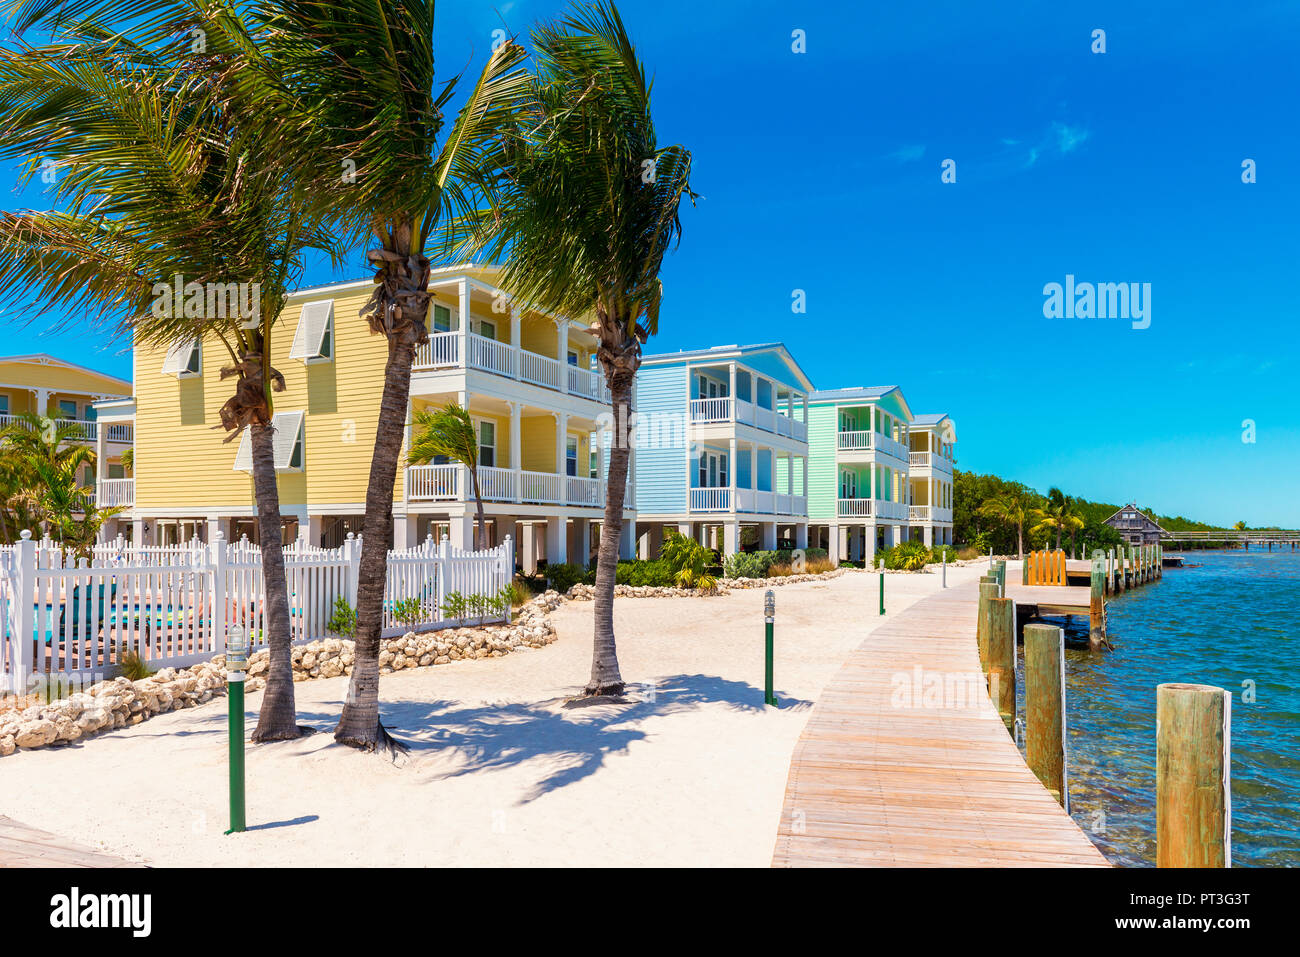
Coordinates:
(988, 592)
(1002, 658)
(1097, 603)
(1121, 579)
(1045, 747)
(1193, 787)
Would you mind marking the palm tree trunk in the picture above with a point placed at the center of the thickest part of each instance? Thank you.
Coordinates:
(482, 521)
(359, 726)
(278, 719)
(605, 676)
(1020, 540)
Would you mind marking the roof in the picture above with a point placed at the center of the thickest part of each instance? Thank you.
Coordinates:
(731, 352)
(45, 359)
(1132, 507)
(930, 418)
(855, 392)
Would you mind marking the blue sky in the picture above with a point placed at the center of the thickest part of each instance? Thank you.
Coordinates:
(821, 171)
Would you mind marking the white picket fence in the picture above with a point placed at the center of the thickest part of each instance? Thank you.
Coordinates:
(173, 604)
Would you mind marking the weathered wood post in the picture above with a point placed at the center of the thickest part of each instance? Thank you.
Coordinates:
(1024, 570)
(1097, 602)
(1000, 575)
(988, 591)
(1110, 571)
(1160, 560)
(1045, 747)
(1002, 658)
(1193, 788)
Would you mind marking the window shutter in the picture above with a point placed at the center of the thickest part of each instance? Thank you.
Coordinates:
(313, 323)
(178, 356)
(288, 429)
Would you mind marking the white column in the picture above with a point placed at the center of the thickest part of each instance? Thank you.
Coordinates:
(528, 548)
(462, 331)
(731, 472)
(684, 529)
(42, 401)
(870, 531)
(404, 528)
(101, 460)
(801, 535)
(561, 434)
(557, 539)
(562, 330)
(731, 387)
(516, 443)
(583, 557)
(731, 537)
(516, 337)
(833, 544)
(929, 535)
(627, 541)
(768, 531)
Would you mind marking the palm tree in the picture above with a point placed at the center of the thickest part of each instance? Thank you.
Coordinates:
(1013, 508)
(449, 433)
(46, 462)
(1057, 514)
(589, 206)
(349, 86)
(164, 177)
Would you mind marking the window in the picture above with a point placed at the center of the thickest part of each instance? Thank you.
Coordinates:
(67, 409)
(441, 318)
(488, 330)
(313, 340)
(573, 358)
(88, 476)
(713, 470)
(4, 405)
(848, 485)
(287, 441)
(593, 466)
(116, 471)
(487, 444)
(184, 359)
(571, 456)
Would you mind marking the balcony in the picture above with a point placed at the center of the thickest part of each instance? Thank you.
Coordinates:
(732, 410)
(441, 351)
(450, 483)
(869, 508)
(749, 501)
(84, 430)
(929, 460)
(111, 493)
(928, 513)
(870, 441)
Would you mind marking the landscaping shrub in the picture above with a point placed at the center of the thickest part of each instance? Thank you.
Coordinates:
(344, 620)
(640, 574)
(761, 564)
(562, 576)
(689, 562)
(906, 556)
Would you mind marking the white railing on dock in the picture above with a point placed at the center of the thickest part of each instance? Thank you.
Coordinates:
(73, 620)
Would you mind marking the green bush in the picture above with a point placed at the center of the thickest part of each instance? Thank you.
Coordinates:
(906, 556)
(562, 576)
(759, 564)
(638, 573)
(344, 620)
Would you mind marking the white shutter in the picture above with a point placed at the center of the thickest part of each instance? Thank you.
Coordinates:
(288, 429)
(178, 356)
(313, 322)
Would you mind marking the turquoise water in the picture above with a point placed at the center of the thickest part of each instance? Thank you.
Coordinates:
(1234, 623)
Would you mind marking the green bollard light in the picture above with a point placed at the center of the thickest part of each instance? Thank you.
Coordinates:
(769, 620)
(882, 592)
(236, 663)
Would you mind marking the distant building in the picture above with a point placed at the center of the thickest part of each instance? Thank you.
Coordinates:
(1136, 527)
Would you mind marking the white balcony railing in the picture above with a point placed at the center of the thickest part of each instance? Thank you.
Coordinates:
(855, 441)
(711, 410)
(115, 493)
(441, 350)
(82, 430)
(451, 483)
(710, 500)
(892, 447)
(928, 513)
(919, 460)
(854, 508)
(894, 510)
(931, 460)
(726, 409)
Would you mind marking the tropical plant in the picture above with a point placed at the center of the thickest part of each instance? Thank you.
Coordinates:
(165, 176)
(688, 561)
(408, 611)
(1013, 508)
(588, 208)
(343, 620)
(1056, 516)
(448, 433)
(128, 459)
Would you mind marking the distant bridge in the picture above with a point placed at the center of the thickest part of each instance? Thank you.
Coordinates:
(1250, 536)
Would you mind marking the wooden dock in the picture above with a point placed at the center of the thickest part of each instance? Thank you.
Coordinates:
(23, 846)
(876, 783)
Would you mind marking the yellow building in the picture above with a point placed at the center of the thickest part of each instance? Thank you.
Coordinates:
(45, 385)
(525, 377)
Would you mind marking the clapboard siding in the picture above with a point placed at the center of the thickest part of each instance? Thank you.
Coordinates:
(661, 443)
(822, 478)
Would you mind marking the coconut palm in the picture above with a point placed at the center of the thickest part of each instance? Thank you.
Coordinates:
(1057, 515)
(448, 433)
(47, 462)
(1013, 507)
(589, 206)
(349, 87)
(162, 176)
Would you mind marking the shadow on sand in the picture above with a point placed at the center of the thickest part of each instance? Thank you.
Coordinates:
(571, 742)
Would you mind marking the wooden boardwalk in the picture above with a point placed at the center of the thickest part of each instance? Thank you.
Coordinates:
(876, 782)
(22, 846)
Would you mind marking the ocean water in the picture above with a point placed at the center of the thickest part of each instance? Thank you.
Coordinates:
(1233, 623)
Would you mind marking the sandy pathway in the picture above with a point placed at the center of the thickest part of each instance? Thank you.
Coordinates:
(691, 771)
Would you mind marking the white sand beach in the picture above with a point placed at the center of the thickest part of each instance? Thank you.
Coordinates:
(690, 771)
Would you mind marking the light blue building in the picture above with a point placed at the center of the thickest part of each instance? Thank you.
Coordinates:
(721, 447)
